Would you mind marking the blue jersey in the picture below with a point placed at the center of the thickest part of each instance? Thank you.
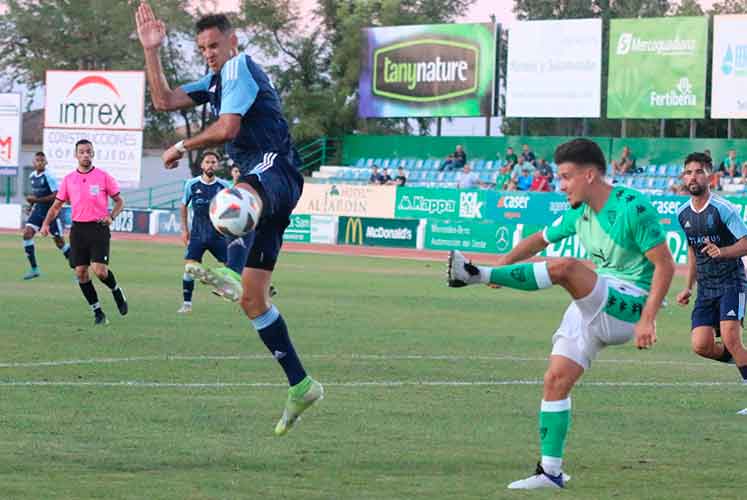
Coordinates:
(720, 223)
(42, 184)
(243, 88)
(198, 194)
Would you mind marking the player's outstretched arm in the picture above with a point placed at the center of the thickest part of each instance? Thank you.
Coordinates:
(645, 329)
(526, 248)
(151, 32)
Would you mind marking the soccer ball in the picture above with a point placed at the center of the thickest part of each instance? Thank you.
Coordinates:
(234, 211)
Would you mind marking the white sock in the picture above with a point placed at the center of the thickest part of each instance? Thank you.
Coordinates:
(484, 273)
(552, 465)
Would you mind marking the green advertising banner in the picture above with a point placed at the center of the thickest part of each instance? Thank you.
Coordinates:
(424, 203)
(657, 67)
(377, 232)
(427, 70)
(474, 236)
(299, 229)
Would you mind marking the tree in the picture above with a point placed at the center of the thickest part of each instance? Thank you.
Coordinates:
(83, 35)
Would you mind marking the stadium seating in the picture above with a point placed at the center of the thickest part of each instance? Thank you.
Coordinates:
(423, 172)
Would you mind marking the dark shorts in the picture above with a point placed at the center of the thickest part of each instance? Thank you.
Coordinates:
(36, 219)
(279, 183)
(197, 247)
(711, 311)
(89, 242)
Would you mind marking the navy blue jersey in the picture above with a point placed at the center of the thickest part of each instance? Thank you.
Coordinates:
(720, 223)
(243, 88)
(43, 184)
(198, 194)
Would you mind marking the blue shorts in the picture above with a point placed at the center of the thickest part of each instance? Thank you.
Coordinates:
(279, 183)
(711, 311)
(36, 219)
(197, 247)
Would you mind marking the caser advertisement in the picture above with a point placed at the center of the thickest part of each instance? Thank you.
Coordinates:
(427, 70)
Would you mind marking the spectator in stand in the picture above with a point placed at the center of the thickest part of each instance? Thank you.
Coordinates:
(520, 166)
(528, 155)
(540, 182)
(503, 178)
(626, 163)
(546, 170)
(455, 160)
(511, 158)
(524, 180)
(401, 178)
(731, 167)
(375, 176)
(385, 178)
(467, 179)
(707, 152)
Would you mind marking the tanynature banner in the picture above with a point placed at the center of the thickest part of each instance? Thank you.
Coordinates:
(554, 68)
(427, 70)
(657, 67)
(729, 72)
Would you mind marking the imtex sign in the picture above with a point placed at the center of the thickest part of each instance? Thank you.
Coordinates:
(108, 100)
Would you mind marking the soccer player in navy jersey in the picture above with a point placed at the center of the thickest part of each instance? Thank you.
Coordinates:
(43, 192)
(201, 237)
(717, 241)
(249, 121)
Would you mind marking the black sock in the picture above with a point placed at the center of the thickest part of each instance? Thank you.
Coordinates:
(743, 373)
(89, 292)
(188, 286)
(274, 334)
(110, 280)
(726, 356)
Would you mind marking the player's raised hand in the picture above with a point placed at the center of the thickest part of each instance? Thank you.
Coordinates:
(711, 250)
(645, 334)
(683, 298)
(150, 31)
(171, 158)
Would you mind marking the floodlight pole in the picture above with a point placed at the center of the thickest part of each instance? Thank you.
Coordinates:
(692, 128)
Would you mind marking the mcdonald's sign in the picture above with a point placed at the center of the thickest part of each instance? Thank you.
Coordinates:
(378, 232)
(353, 231)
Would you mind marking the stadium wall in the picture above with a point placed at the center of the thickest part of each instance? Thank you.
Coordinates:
(647, 150)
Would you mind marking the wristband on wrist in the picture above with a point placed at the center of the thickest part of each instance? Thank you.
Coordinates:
(179, 146)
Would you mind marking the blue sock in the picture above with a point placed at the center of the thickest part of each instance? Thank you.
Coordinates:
(238, 250)
(65, 250)
(188, 286)
(274, 335)
(28, 246)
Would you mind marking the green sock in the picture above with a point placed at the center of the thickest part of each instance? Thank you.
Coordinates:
(300, 388)
(528, 276)
(554, 419)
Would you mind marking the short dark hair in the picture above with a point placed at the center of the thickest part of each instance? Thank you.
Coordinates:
(210, 153)
(40, 153)
(219, 21)
(702, 158)
(581, 152)
(82, 142)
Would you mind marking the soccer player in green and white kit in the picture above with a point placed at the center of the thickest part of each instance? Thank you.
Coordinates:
(611, 305)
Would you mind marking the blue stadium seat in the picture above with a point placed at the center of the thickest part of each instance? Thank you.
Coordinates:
(479, 165)
(428, 164)
(409, 163)
(430, 175)
(639, 182)
(673, 170)
(361, 162)
(651, 170)
(369, 162)
(661, 183)
(661, 170)
(489, 165)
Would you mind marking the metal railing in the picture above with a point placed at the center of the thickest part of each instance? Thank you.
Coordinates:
(165, 196)
(322, 151)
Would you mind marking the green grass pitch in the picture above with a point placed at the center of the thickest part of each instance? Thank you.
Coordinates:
(431, 392)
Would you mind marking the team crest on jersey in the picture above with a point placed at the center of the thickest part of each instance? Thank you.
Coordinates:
(611, 217)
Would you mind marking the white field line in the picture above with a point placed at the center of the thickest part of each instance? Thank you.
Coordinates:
(342, 357)
(357, 384)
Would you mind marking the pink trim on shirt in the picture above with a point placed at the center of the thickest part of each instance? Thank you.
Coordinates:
(88, 194)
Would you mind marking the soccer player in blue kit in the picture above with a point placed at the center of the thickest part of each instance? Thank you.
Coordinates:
(43, 192)
(202, 236)
(249, 121)
(717, 241)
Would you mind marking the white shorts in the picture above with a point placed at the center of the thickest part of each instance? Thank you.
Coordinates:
(604, 317)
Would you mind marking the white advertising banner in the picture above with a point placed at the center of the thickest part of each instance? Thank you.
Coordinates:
(119, 152)
(107, 100)
(10, 129)
(554, 69)
(729, 73)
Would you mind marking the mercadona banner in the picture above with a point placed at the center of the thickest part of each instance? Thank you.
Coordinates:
(427, 70)
(657, 68)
